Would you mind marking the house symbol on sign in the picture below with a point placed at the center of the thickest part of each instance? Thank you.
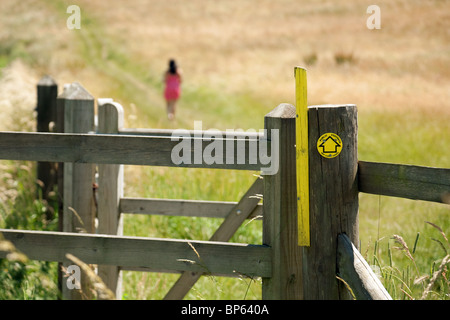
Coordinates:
(330, 145)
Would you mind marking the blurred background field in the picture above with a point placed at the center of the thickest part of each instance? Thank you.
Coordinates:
(238, 59)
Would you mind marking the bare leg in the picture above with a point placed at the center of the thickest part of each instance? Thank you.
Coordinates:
(171, 109)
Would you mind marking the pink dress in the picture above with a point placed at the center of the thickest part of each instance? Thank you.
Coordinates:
(172, 90)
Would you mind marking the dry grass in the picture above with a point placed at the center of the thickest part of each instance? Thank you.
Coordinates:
(436, 275)
(404, 246)
(17, 102)
(17, 97)
(100, 290)
(239, 46)
(12, 254)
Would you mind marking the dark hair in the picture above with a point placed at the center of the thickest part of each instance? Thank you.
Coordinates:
(172, 66)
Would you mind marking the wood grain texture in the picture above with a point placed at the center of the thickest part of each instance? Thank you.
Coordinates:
(78, 110)
(169, 132)
(355, 271)
(154, 254)
(404, 181)
(280, 230)
(109, 149)
(110, 191)
(333, 200)
(78, 214)
(185, 208)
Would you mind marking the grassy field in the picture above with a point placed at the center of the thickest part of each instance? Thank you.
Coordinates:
(238, 60)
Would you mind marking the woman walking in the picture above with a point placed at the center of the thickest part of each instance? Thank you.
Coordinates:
(172, 91)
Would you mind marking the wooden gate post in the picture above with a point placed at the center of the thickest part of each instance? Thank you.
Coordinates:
(47, 92)
(76, 115)
(280, 210)
(110, 190)
(333, 191)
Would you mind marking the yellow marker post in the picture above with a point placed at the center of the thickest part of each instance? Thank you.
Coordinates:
(302, 155)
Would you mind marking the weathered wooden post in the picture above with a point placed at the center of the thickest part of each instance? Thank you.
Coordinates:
(47, 92)
(110, 190)
(76, 115)
(333, 197)
(280, 211)
(309, 272)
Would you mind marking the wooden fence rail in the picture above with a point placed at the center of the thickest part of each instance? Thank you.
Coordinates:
(404, 181)
(154, 254)
(185, 208)
(231, 134)
(288, 271)
(110, 149)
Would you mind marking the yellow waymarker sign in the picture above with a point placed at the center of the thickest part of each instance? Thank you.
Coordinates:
(329, 145)
(302, 159)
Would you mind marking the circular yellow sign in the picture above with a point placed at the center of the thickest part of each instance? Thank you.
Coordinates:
(329, 145)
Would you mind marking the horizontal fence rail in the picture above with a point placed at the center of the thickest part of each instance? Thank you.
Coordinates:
(404, 181)
(187, 208)
(154, 254)
(236, 134)
(119, 149)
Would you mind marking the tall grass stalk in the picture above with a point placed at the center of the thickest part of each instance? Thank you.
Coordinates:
(409, 279)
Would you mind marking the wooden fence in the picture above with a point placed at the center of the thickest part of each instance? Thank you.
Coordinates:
(288, 271)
